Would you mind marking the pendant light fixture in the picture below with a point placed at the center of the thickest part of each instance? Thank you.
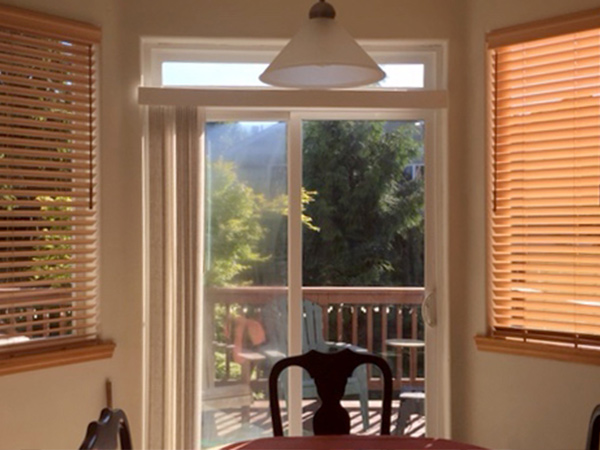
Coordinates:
(322, 55)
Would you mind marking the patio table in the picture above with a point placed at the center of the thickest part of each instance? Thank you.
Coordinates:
(350, 442)
(410, 401)
(405, 343)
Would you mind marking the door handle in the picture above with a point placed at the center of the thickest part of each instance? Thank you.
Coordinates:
(428, 310)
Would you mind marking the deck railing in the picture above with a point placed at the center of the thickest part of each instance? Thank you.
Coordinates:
(362, 316)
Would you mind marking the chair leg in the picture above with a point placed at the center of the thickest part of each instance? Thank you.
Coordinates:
(363, 394)
(407, 408)
(209, 427)
(364, 407)
(420, 407)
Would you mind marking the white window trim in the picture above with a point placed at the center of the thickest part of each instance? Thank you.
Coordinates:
(156, 50)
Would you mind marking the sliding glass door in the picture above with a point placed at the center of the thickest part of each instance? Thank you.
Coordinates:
(363, 257)
(245, 299)
(314, 239)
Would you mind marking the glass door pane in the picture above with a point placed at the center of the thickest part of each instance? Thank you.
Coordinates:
(245, 276)
(363, 259)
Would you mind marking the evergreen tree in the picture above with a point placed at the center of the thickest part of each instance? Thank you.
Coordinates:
(368, 208)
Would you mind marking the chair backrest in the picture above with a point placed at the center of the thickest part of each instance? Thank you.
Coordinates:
(105, 433)
(330, 372)
(593, 437)
(274, 314)
(274, 319)
(312, 336)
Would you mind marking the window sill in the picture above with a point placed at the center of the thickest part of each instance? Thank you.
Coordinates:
(548, 351)
(22, 362)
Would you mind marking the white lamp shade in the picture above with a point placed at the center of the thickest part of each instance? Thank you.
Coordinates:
(322, 55)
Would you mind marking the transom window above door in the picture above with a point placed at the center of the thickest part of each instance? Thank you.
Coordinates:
(226, 63)
(226, 74)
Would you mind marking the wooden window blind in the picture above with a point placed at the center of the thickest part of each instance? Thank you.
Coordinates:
(544, 215)
(48, 228)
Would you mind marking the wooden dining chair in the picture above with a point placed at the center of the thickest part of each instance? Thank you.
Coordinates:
(330, 372)
(105, 433)
(274, 315)
(593, 437)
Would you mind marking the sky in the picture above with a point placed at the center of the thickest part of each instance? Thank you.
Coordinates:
(246, 74)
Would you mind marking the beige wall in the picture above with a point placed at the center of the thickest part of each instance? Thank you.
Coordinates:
(59, 402)
(493, 402)
(505, 401)
(51, 408)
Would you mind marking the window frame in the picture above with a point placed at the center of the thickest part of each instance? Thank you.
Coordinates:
(156, 50)
(44, 353)
(550, 348)
(273, 103)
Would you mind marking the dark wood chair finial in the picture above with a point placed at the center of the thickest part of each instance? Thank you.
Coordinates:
(105, 433)
(593, 437)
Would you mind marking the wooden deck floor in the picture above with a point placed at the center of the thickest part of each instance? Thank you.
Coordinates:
(230, 427)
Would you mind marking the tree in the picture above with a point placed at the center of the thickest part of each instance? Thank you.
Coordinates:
(368, 208)
(234, 229)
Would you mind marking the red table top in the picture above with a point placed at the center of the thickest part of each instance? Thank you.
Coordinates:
(350, 442)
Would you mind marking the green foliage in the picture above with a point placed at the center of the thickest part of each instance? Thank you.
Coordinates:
(362, 212)
(368, 209)
(234, 228)
(306, 198)
(53, 268)
(58, 241)
(247, 236)
(235, 370)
